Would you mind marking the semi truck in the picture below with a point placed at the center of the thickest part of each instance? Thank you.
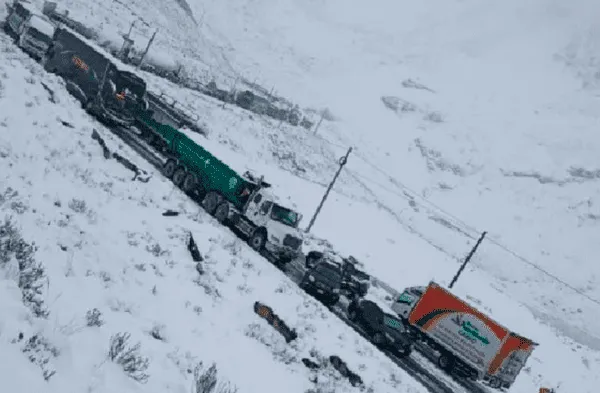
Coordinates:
(114, 96)
(18, 13)
(243, 202)
(467, 341)
(32, 30)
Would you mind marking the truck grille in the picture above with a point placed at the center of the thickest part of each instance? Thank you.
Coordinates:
(292, 242)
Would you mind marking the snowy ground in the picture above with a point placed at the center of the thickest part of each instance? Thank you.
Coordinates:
(104, 245)
(504, 139)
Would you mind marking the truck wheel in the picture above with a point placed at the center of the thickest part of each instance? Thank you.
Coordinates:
(189, 183)
(445, 362)
(149, 136)
(282, 261)
(169, 168)
(378, 339)
(90, 107)
(257, 240)
(222, 212)
(179, 176)
(210, 202)
(352, 314)
(333, 301)
(495, 383)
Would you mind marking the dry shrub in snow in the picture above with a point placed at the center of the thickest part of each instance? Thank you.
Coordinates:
(128, 357)
(206, 381)
(158, 332)
(39, 352)
(32, 277)
(94, 318)
(77, 205)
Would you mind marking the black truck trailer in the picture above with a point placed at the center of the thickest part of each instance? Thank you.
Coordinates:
(113, 95)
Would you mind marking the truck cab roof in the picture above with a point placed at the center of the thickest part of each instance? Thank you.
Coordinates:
(42, 24)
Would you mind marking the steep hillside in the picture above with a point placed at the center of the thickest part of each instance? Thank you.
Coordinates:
(464, 117)
(86, 256)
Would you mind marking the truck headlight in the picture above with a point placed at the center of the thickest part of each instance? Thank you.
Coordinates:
(311, 278)
(275, 239)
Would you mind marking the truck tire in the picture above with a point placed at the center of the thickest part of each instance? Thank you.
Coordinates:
(352, 314)
(222, 212)
(445, 362)
(169, 168)
(282, 261)
(148, 135)
(378, 339)
(179, 176)
(495, 383)
(333, 301)
(189, 183)
(91, 108)
(257, 240)
(210, 202)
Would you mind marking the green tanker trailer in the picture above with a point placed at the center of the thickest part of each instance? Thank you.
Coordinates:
(241, 201)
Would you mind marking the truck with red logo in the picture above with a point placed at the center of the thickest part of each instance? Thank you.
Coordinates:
(467, 341)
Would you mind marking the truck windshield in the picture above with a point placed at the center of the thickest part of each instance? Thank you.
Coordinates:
(284, 215)
(393, 323)
(39, 36)
(22, 11)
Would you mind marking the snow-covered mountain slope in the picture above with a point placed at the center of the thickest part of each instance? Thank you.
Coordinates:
(505, 139)
(464, 117)
(498, 131)
(104, 245)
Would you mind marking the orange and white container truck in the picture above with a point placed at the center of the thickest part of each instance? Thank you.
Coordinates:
(467, 341)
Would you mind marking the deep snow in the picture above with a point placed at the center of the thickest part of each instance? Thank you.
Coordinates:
(105, 245)
(503, 139)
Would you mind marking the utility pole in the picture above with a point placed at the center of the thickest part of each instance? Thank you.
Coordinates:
(319, 123)
(342, 162)
(146, 50)
(467, 259)
(127, 44)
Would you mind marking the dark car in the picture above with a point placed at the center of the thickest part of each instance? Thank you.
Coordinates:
(323, 281)
(384, 330)
(355, 283)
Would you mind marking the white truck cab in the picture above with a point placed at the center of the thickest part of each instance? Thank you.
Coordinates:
(275, 226)
(36, 35)
(18, 13)
(404, 303)
(32, 29)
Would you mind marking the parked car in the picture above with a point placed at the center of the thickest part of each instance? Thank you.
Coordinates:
(323, 281)
(384, 330)
(355, 283)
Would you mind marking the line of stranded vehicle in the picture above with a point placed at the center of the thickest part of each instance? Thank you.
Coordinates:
(467, 341)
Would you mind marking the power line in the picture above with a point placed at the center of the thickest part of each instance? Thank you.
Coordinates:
(405, 188)
(490, 239)
(528, 262)
(466, 228)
